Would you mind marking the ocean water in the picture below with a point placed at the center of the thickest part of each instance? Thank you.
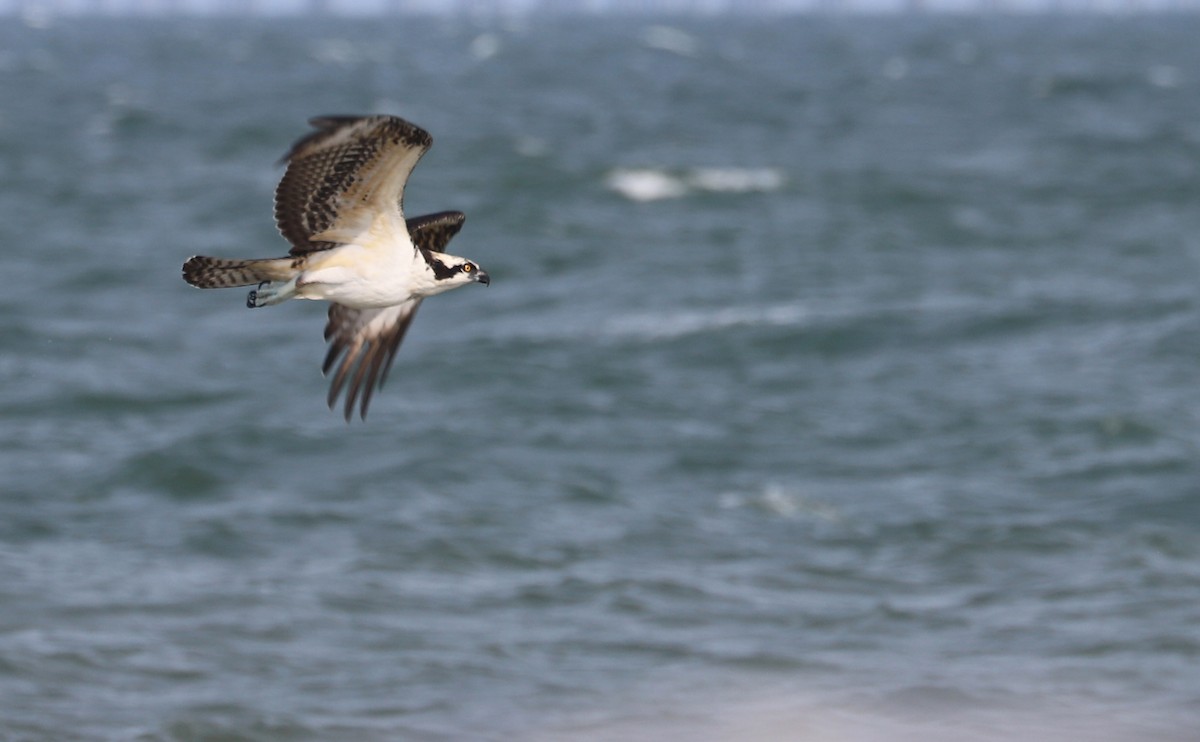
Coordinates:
(837, 381)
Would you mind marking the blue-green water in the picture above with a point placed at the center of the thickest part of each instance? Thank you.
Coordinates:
(837, 380)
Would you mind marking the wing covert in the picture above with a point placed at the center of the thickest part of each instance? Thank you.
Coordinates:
(432, 232)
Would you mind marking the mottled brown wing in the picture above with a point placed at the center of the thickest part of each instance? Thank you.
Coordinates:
(342, 175)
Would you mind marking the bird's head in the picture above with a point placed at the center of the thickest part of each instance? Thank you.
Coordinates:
(451, 271)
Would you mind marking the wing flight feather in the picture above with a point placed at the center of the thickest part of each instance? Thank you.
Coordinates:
(362, 344)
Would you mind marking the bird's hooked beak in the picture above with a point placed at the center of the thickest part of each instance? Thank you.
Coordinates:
(481, 276)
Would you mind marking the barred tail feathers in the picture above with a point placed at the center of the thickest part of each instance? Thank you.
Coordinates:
(221, 273)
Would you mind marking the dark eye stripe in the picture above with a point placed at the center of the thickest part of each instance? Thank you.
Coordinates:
(442, 271)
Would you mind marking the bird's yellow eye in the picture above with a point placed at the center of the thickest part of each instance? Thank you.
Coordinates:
(467, 267)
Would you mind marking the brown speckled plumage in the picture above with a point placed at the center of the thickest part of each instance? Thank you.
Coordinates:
(326, 168)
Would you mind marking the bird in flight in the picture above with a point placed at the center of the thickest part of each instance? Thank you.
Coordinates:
(341, 206)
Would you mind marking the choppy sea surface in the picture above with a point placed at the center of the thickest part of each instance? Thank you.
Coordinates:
(837, 381)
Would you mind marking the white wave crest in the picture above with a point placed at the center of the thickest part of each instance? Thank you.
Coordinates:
(782, 502)
(646, 185)
(671, 39)
(653, 184)
(658, 326)
(736, 180)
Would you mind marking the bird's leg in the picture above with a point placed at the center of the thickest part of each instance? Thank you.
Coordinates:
(271, 292)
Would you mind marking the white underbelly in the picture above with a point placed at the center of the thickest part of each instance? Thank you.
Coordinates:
(357, 277)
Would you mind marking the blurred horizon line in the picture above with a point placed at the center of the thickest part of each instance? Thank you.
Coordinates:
(36, 12)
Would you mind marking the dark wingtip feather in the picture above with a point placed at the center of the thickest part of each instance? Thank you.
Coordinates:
(355, 386)
(359, 362)
(324, 126)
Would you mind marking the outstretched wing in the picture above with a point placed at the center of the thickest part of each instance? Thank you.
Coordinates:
(432, 232)
(341, 176)
(363, 342)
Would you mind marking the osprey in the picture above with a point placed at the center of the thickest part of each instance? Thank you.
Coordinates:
(340, 204)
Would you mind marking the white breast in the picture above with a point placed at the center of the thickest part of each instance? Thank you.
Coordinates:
(363, 276)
